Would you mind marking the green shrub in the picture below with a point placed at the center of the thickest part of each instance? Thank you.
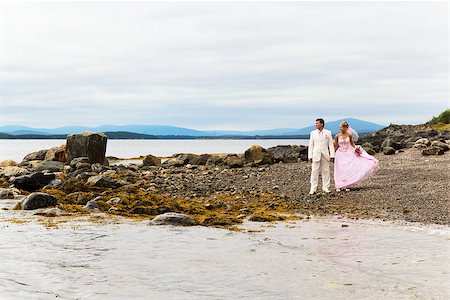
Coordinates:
(444, 117)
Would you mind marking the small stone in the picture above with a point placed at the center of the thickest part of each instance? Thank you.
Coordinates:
(175, 219)
(388, 150)
(115, 200)
(91, 204)
(38, 200)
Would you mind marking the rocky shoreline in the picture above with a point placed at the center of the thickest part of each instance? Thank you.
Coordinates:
(224, 190)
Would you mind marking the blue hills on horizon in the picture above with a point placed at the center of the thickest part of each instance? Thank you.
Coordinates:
(163, 130)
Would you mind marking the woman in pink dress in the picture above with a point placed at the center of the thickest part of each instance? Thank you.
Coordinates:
(352, 164)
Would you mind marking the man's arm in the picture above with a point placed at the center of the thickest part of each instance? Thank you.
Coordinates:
(310, 147)
(330, 145)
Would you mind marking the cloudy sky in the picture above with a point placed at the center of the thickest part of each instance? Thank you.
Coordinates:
(210, 65)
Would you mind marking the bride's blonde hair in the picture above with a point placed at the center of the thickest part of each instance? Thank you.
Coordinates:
(344, 124)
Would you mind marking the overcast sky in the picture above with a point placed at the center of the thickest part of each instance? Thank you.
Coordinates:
(239, 66)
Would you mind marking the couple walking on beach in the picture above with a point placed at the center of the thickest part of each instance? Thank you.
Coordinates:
(352, 164)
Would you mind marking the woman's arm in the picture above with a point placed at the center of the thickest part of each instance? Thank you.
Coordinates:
(351, 142)
(336, 144)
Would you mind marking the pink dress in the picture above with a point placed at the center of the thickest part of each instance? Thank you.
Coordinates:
(351, 168)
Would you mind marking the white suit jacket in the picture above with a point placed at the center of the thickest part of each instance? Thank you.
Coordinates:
(320, 144)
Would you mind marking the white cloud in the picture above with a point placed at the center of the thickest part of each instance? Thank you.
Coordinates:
(235, 65)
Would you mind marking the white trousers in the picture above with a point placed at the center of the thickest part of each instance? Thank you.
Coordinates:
(324, 166)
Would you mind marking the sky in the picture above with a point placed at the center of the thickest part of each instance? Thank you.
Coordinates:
(222, 65)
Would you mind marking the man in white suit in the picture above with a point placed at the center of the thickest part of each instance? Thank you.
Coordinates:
(320, 153)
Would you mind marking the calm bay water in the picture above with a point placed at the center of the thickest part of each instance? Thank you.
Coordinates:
(17, 149)
(303, 260)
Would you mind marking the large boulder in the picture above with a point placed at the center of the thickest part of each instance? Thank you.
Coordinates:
(38, 200)
(235, 161)
(87, 144)
(288, 153)
(151, 160)
(79, 161)
(32, 182)
(423, 141)
(433, 151)
(173, 162)
(39, 155)
(439, 144)
(217, 159)
(13, 171)
(170, 218)
(391, 143)
(258, 155)
(192, 159)
(56, 154)
(8, 163)
(50, 166)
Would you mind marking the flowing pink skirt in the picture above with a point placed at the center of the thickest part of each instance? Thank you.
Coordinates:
(351, 169)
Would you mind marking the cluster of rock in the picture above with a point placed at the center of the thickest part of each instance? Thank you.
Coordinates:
(254, 156)
(395, 138)
(82, 162)
(82, 154)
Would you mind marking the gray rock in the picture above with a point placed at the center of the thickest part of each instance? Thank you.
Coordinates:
(234, 161)
(391, 143)
(440, 144)
(91, 204)
(115, 200)
(175, 219)
(38, 200)
(151, 160)
(39, 155)
(97, 167)
(370, 151)
(77, 160)
(287, 153)
(87, 144)
(217, 159)
(54, 182)
(13, 171)
(82, 165)
(433, 151)
(173, 162)
(388, 150)
(103, 181)
(50, 166)
(7, 193)
(258, 155)
(32, 182)
(56, 154)
(8, 163)
(423, 141)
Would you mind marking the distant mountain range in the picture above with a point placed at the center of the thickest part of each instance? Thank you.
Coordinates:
(160, 131)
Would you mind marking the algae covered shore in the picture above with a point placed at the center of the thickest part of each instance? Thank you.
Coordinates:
(225, 190)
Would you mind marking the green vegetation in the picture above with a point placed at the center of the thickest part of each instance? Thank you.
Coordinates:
(443, 118)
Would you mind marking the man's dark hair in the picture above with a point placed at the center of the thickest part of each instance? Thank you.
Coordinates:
(321, 121)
